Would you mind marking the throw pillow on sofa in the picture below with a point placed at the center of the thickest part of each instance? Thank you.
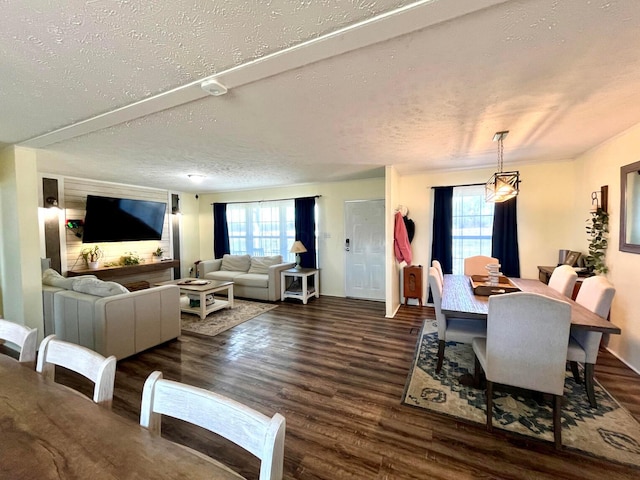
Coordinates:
(262, 264)
(53, 278)
(235, 263)
(95, 286)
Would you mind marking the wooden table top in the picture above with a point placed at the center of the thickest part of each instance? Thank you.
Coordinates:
(459, 301)
(48, 431)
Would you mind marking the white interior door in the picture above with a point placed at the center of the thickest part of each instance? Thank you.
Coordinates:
(364, 249)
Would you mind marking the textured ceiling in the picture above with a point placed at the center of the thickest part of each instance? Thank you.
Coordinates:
(318, 90)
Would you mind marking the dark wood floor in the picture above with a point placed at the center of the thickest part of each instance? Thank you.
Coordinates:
(336, 369)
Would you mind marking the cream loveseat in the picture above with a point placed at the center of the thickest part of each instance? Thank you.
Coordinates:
(106, 317)
(252, 277)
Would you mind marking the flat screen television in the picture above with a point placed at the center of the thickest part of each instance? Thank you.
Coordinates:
(111, 219)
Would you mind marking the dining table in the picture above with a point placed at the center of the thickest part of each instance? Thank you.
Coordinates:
(48, 431)
(460, 301)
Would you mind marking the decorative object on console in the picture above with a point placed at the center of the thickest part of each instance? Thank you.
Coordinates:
(131, 258)
(502, 185)
(298, 248)
(91, 255)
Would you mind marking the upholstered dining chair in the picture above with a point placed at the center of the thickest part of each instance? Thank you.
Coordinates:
(21, 336)
(90, 364)
(438, 266)
(477, 265)
(525, 347)
(260, 435)
(563, 279)
(460, 330)
(596, 294)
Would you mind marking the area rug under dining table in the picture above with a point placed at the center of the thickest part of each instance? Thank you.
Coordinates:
(608, 431)
(222, 320)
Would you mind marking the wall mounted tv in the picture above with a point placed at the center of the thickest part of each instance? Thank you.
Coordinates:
(111, 219)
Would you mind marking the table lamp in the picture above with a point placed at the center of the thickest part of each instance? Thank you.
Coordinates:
(297, 248)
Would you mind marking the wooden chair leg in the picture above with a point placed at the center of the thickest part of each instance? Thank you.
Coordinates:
(489, 394)
(575, 371)
(588, 383)
(557, 421)
(441, 345)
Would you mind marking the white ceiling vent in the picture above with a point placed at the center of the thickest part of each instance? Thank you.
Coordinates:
(213, 87)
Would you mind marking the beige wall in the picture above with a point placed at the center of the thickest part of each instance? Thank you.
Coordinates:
(20, 253)
(330, 223)
(545, 211)
(601, 166)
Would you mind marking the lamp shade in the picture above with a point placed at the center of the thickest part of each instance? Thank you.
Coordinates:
(298, 247)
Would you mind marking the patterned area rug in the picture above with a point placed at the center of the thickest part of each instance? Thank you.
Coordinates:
(608, 431)
(218, 322)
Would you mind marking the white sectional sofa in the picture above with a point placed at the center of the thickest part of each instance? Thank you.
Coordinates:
(252, 277)
(106, 317)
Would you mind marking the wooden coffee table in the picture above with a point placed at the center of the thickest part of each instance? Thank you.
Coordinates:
(203, 288)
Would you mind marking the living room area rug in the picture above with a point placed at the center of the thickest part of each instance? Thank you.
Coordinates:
(224, 319)
(608, 431)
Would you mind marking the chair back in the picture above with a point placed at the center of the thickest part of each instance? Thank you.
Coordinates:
(477, 265)
(24, 337)
(596, 294)
(527, 337)
(436, 286)
(563, 279)
(90, 364)
(438, 266)
(260, 435)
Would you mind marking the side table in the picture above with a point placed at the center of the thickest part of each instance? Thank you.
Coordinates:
(303, 283)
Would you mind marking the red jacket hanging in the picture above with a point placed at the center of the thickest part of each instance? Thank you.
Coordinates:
(401, 244)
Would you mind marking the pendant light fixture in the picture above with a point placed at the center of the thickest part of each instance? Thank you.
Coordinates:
(502, 185)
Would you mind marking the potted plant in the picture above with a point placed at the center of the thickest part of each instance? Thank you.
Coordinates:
(91, 255)
(130, 258)
(157, 255)
(597, 230)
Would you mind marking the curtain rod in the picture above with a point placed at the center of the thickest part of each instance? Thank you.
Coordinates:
(464, 185)
(274, 200)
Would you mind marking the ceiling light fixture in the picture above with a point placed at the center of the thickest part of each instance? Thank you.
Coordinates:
(502, 185)
(195, 177)
(213, 87)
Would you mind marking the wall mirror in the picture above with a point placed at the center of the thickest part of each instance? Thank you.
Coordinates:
(630, 208)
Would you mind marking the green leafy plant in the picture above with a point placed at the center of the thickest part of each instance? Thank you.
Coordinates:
(92, 254)
(597, 230)
(130, 258)
(158, 252)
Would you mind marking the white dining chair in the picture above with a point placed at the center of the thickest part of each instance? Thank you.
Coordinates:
(477, 265)
(260, 435)
(563, 279)
(23, 337)
(459, 330)
(596, 294)
(90, 364)
(526, 346)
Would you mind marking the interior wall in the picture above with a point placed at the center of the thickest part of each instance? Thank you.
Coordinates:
(19, 256)
(329, 224)
(189, 233)
(546, 218)
(601, 166)
(393, 268)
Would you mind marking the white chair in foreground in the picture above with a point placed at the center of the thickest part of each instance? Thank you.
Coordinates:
(260, 435)
(526, 347)
(563, 279)
(478, 265)
(596, 293)
(23, 337)
(451, 329)
(92, 365)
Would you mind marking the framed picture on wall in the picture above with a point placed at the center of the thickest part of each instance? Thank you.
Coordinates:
(572, 258)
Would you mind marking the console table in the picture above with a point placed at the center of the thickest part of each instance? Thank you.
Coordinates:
(119, 271)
